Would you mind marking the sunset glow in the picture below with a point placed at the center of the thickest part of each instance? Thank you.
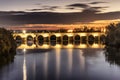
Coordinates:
(100, 23)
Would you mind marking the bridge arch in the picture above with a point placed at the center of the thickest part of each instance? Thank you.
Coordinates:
(40, 38)
(53, 38)
(65, 38)
(102, 38)
(29, 38)
(91, 38)
(65, 43)
(77, 37)
(18, 38)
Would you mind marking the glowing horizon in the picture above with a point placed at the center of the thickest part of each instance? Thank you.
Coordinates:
(99, 23)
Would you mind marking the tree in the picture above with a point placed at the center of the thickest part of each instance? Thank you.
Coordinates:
(113, 35)
(112, 49)
(7, 46)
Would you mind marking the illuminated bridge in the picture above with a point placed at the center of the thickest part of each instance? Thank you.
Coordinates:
(70, 37)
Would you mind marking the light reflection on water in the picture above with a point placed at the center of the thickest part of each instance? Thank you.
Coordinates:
(82, 60)
(57, 63)
(60, 64)
(58, 45)
(24, 66)
(70, 61)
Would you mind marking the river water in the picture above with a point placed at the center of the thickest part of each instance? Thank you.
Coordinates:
(60, 64)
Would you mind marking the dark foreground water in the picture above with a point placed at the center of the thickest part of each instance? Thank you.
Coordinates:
(60, 64)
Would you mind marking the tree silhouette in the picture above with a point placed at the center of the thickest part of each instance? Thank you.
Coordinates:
(112, 49)
(113, 35)
(7, 46)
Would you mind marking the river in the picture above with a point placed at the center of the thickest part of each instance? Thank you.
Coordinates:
(66, 63)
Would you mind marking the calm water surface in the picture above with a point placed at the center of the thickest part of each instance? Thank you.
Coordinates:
(60, 64)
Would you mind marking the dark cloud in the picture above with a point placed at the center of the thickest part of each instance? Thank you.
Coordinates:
(86, 15)
(34, 9)
(50, 8)
(71, 8)
(95, 9)
(78, 5)
(91, 10)
(97, 2)
(99, 7)
(86, 7)
(53, 7)
(4, 13)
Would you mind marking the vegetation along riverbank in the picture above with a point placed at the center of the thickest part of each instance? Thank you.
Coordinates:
(7, 47)
(113, 44)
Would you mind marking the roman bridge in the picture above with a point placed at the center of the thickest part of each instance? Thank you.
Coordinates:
(59, 37)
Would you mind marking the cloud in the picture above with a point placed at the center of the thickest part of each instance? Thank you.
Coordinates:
(86, 7)
(99, 7)
(53, 7)
(97, 2)
(79, 5)
(71, 8)
(34, 9)
(95, 9)
(91, 10)
(86, 15)
(44, 8)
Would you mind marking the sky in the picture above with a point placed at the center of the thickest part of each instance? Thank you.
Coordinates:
(26, 5)
(19, 12)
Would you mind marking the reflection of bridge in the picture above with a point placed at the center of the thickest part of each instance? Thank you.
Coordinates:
(49, 46)
(95, 37)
